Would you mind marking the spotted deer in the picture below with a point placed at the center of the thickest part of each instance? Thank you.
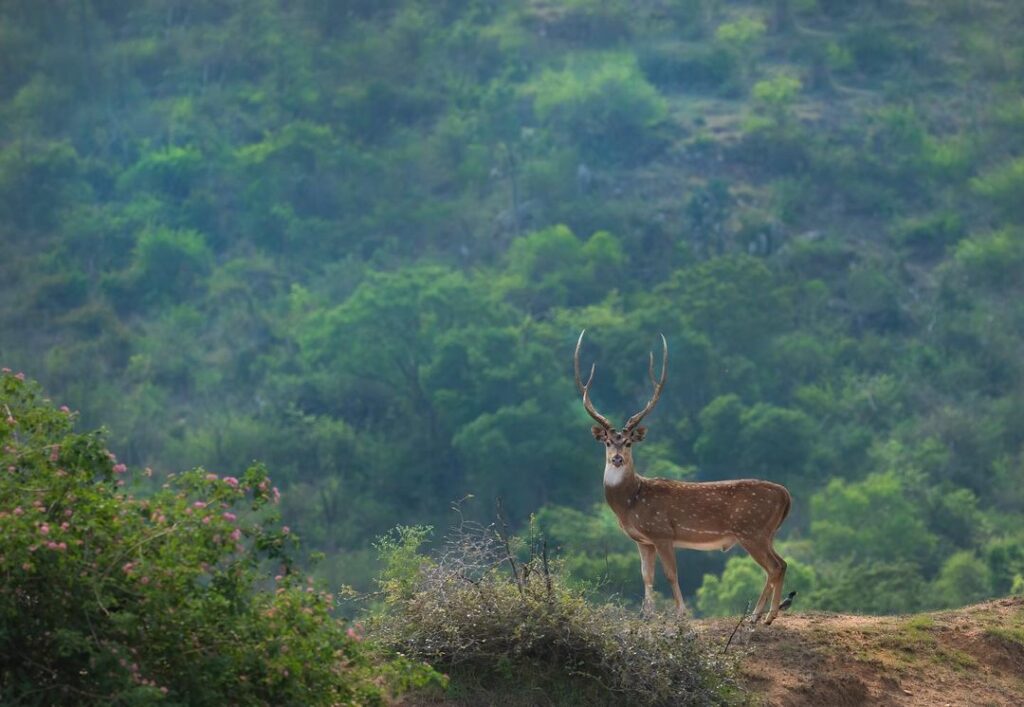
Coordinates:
(663, 514)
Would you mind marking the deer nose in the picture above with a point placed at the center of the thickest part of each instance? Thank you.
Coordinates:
(617, 460)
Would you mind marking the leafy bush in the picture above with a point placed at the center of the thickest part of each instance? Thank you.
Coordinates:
(929, 236)
(1002, 186)
(871, 588)
(741, 37)
(699, 67)
(876, 49)
(964, 579)
(108, 598)
(493, 620)
(605, 106)
(857, 519)
(993, 260)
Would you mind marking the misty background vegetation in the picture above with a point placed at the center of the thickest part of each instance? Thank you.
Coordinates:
(356, 240)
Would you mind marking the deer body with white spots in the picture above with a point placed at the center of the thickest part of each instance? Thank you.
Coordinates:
(661, 515)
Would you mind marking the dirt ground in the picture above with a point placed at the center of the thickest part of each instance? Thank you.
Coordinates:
(970, 656)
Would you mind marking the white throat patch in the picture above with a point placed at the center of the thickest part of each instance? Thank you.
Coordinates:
(614, 475)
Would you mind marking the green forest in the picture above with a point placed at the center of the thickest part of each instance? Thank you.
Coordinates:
(355, 241)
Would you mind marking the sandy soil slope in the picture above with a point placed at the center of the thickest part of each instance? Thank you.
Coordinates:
(970, 656)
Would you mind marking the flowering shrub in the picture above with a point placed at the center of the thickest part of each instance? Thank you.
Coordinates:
(108, 597)
(509, 629)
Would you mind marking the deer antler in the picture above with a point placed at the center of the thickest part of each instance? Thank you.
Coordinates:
(585, 389)
(658, 385)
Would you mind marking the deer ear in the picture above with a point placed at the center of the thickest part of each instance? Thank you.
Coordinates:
(638, 434)
(599, 433)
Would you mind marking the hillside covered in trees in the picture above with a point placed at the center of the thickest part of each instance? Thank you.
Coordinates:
(356, 240)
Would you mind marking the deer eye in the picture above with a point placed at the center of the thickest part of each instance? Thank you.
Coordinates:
(607, 444)
(628, 444)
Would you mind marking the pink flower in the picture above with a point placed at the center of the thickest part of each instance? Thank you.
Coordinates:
(20, 376)
(120, 482)
(12, 469)
(231, 481)
(286, 530)
(144, 580)
(278, 578)
(236, 534)
(68, 512)
(62, 545)
(351, 633)
(5, 369)
(211, 477)
(199, 504)
(206, 520)
(54, 452)
(64, 526)
(65, 409)
(26, 566)
(44, 529)
(277, 495)
(127, 568)
(230, 517)
(120, 468)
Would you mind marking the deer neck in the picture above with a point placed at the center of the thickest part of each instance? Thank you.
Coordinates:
(620, 484)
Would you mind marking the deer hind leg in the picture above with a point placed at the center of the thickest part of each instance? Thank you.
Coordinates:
(775, 569)
(647, 554)
(777, 599)
(667, 555)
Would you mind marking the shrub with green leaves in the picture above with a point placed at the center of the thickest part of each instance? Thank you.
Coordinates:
(604, 105)
(496, 614)
(108, 597)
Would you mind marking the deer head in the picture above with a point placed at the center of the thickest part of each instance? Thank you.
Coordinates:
(618, 443)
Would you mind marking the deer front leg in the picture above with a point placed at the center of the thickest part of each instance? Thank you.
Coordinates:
(647, 553)
(667, 555)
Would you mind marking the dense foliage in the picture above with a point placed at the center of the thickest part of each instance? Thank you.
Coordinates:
(357, 240)
(108, 598)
